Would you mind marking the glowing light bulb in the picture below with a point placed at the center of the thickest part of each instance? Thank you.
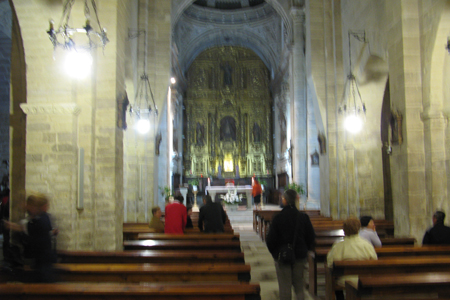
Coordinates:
(78, 64)
(143, 126)
(353, 123)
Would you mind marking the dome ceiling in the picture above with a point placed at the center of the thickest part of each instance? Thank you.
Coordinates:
(228, 4)
(252, 24)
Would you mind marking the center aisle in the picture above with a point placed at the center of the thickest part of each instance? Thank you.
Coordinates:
(256, 254)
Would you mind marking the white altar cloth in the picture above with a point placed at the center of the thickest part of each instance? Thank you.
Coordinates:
(247, 189)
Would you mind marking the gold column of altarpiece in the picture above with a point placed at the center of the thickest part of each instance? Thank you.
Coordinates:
(228, 128)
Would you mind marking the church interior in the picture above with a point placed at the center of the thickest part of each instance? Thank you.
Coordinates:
(114, 105)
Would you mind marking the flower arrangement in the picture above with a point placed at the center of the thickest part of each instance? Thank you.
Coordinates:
(231, 198)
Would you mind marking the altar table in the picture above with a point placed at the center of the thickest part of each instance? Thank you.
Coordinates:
(247, 189)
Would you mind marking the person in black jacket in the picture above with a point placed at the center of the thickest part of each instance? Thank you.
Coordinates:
(439, 234)
(211, 217)
(282, 231)
(39, 232)
(189, 220)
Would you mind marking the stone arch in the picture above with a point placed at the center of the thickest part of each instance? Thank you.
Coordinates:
(245, 39)
(17, 119)
(439, 91)
(181, 7)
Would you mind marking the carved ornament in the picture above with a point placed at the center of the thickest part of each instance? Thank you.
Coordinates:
(51, 109)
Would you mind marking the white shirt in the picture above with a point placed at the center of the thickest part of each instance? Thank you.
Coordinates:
(371, 236)
(351, 248)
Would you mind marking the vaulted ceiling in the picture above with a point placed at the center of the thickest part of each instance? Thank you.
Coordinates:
(253, 24)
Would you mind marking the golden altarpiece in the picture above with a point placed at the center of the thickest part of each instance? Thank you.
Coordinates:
(227, 128)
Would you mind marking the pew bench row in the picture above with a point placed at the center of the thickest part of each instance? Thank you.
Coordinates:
(89, 291)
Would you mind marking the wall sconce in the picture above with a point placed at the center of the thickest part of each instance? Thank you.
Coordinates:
(388, 148)
(352, 106)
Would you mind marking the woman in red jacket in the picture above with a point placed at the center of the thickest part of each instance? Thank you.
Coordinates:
(256, 193)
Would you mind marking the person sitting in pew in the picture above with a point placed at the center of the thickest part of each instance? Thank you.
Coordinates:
(211, 217)
(353, 247)
(368, 231)
(175, 216)
(156, 222)
(39, 233)
(439, 234)
(189, 220)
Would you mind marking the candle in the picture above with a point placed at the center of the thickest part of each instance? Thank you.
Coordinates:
(209, 181)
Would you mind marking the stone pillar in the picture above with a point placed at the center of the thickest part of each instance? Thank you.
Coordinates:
(408, 159)
(299, 103)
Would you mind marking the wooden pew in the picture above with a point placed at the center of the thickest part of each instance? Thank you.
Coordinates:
(131, 231)
(259, 215)
(319, 256)
(387, 265)
(324, 234)
(181, 245)
(151, 256)
(262, 220)
(328, 242)
(403, 284)
(160, 291)
(135, 273)
(191, 237)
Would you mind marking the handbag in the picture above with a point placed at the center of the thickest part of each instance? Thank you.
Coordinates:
(286, 254)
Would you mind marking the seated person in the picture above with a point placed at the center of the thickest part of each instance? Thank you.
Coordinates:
(156, 222)
(368, 231)
(439, 234)
(212, 217)
(39, 232)
(353, 247)
(175, 216)
(189, 213)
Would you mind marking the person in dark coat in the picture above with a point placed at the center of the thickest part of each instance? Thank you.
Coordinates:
(212, 217)
(39, 232)
(282, 232)
(189, 220)
(439, 234)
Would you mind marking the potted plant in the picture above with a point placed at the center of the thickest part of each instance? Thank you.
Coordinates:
(194, 183)
(262, 182)
(166, 192)
(299, 188)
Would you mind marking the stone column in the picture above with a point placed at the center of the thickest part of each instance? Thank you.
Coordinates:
(408, 159)
(299, 103)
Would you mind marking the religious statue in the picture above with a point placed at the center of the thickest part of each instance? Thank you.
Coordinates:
(227, 129)
(158, 140)
(227, 78)
(256, 133)
(219, 171)
(122, 112)
(200, 134)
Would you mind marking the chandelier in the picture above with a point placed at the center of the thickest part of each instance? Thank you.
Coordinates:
(78, 59)
(352, 105)
(141, 110)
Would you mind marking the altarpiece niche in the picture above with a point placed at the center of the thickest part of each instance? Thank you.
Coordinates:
(228, 115)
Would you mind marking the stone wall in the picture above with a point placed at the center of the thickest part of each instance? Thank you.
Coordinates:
(140, 161)
(65, 115)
